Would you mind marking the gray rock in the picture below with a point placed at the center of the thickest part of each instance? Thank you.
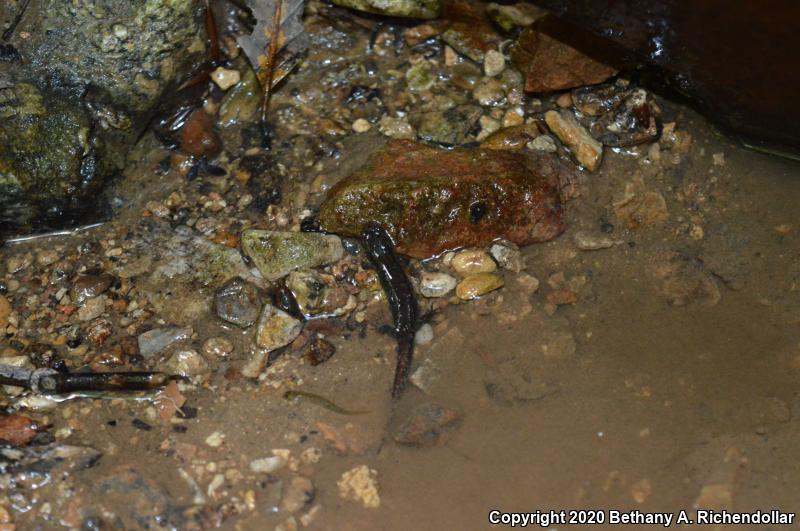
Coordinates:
(276, 328)
(276, 254)
(238, 302)
(157, 340)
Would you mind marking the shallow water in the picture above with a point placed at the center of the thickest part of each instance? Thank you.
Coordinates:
(621, 400)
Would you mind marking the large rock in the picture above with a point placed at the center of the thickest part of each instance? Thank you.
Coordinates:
(277, 253)
(551, 63)
(86, 79)
(431, 200)
(425, 9)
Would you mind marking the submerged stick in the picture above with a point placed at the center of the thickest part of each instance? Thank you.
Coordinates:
(49, 381)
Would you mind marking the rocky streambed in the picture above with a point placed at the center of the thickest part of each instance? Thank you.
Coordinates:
(607, 294)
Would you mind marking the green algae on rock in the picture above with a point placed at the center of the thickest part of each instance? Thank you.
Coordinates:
(431, 201)
(91, 76)
(426, 9)
(276, 253)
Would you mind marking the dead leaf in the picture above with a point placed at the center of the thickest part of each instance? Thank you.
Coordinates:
(292, 40)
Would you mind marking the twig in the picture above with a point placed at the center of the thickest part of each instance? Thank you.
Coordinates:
(269, 70)
(213, 37)
(49, 381)
(53, 234)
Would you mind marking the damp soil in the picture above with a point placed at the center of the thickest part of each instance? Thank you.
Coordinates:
(641, 394)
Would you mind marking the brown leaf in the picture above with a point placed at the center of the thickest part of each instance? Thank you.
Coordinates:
(292, 40)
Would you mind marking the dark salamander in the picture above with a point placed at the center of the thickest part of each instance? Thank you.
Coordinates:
(380, 248)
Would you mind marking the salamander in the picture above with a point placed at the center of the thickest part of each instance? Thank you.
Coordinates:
(395, 283)
(320, 401)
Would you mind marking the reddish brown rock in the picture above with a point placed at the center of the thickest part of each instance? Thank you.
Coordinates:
(198, 137)
(428, 425)
(18, 430)
(468, 31)
(431, 200)
(550, 64)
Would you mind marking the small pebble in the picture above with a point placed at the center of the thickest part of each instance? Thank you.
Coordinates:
(225, 78)
(513, 117)
(46, 257)
(398, 128)
(472, 261)
(493, 63)
(424, 335)
(268, 465)
(92, 308)
(436, 284)
(299, 493)
(508, 256)
(586, 150)
(187, 363)
(544, 143)
(276, 328)
(215, 440)
(475, 286)
(361, 126)
(426, 375)
(217, 347)
(489, 93)
(529, 283)
(154, 341)
(360, 484)
(586, 241)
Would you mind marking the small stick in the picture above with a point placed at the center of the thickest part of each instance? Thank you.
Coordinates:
(269, 69)
(53, 234)
(213, 37)
(49, 381)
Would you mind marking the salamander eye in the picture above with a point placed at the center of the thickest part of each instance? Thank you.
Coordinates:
(477, 211)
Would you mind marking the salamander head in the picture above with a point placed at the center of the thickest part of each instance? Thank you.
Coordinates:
(377, 240)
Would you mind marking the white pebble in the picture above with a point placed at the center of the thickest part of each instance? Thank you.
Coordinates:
(361, 126)
(225, 78)
(424, 335)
